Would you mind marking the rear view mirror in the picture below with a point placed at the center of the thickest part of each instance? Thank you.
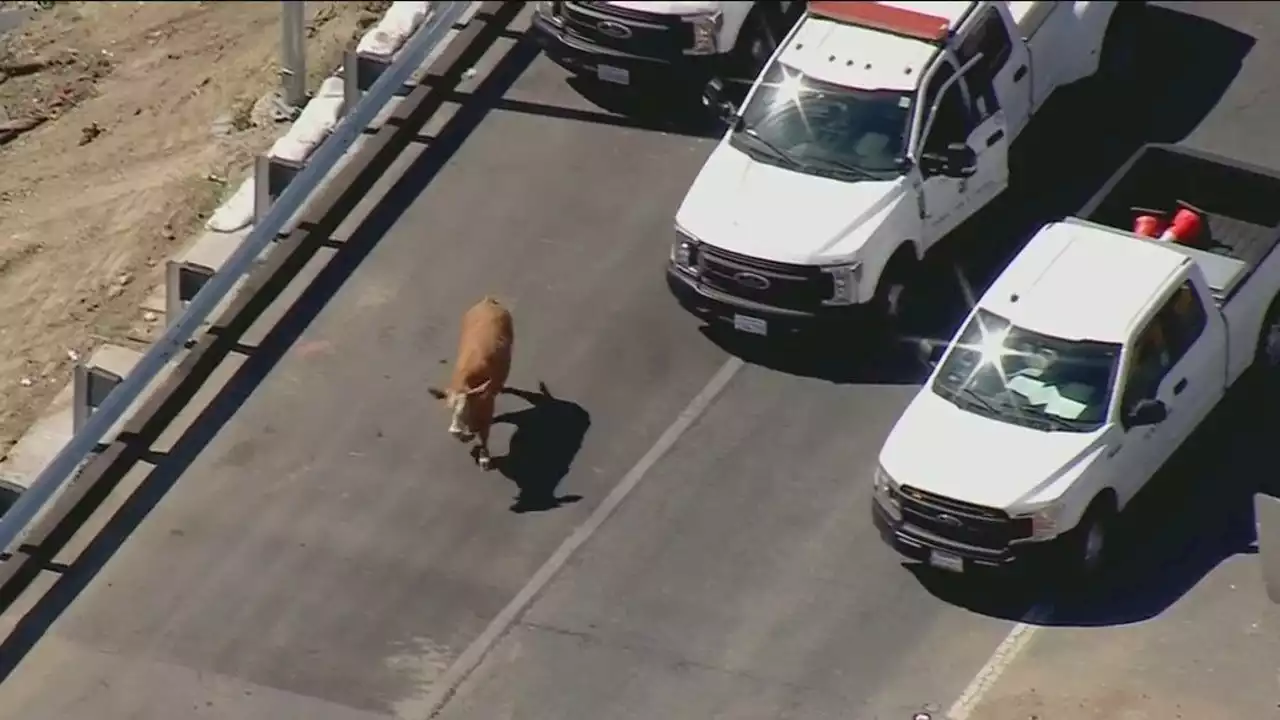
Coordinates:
(713, 99)
(1146, 412)
(928, 352)
(713, 92)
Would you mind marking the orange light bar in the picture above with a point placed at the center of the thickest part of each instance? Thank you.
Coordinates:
(886, 18)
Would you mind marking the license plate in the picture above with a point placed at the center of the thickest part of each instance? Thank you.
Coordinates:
(946, 561)
(610, 74)
(746, 324)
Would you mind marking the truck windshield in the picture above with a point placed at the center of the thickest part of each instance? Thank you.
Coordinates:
(1022, 377)
(825, 129)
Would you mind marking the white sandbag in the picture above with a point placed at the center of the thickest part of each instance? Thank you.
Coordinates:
(393, 30)
(315, 123)
(237, 212)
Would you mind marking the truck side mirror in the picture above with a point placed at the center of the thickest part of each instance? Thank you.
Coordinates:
(928, 352)
(1147, 411)
(713, 99)
(958, 160)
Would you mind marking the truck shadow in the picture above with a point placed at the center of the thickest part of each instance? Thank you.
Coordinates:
(678, 111)
(1086, 132)
(1081, 136)
(1195, 514)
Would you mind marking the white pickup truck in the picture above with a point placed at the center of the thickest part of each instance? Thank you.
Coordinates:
(1086, 364)
(673, 45)
(875, 130)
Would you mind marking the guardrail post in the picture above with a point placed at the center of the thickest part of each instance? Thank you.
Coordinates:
(271, 175)
(359, 73)
(182, 280)
(350, 81)
(90, 387)
(1266, 513)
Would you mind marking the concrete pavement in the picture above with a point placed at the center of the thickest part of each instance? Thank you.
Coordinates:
(330, 551)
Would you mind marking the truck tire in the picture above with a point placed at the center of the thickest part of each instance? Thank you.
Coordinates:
(1087, 551)
(891, 292)
(1266, 361)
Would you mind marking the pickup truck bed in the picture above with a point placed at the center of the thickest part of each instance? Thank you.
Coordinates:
(1240, 205)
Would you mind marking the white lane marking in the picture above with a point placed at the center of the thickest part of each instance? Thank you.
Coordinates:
(1005, 653)
(448, 683)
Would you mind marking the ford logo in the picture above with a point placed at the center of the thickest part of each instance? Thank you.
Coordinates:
(751, 280)
(614, 29)
(951, 520)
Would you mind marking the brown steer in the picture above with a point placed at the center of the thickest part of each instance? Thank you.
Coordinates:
(479, 373)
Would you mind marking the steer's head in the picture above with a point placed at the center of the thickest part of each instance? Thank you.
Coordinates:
(459, 405)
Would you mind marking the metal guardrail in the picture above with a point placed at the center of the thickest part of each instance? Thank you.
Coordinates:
(58, 474)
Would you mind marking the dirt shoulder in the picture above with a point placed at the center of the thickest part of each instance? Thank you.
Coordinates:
(122, 125)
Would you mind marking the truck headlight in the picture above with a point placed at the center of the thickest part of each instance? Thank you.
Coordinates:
(1044, 522)
(885, 490)
(844, 283)
(706, 32)
(549, 10)
(684, 253)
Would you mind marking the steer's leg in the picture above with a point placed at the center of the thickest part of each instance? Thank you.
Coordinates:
(483, 421)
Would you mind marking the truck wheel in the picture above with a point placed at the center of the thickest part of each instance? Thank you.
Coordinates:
(891, 292)
(1087, 549)
(1266, 361)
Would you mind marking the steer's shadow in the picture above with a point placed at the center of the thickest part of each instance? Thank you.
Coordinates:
(547, 437)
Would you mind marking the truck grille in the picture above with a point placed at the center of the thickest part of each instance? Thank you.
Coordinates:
(663, 37)
(958, 522)
(791, 287)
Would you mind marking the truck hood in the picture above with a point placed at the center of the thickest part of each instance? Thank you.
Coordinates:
(675, 7)
(772, 213)
(940, 448)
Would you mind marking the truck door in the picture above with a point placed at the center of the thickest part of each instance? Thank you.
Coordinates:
(1178, 358)
(941, 198)
(1197, 345)
(1004, 65)
(990, 143)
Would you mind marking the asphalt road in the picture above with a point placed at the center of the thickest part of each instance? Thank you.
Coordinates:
(331, 552)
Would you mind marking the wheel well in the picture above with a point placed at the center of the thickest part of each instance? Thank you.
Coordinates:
(904, 257)
(1106, 498)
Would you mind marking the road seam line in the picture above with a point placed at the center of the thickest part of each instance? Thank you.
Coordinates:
(1005, 653)
(443, 689)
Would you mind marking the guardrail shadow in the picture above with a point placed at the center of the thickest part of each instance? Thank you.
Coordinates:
(261, 359)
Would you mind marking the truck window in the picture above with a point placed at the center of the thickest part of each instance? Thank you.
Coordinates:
(953, 121)
(1026, 378)
(823, 128)
(991, 38)
(1167, 337)
(1184, 319)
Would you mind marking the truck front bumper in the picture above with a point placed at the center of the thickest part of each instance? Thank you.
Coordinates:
(938, 552)
(621, 68)
(720, 307)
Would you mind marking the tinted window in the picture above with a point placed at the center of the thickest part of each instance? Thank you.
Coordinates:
(952, 122)
(991, 38)
(1167, 337)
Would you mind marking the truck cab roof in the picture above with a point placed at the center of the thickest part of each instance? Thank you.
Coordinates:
(873, 45)
(1082, 281)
